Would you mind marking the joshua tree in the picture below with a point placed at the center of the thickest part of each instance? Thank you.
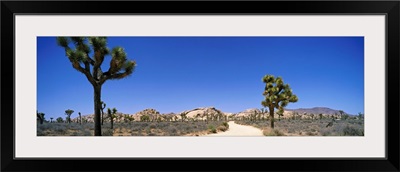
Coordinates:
(103, 106)
(40, 116)
(330, 124)
(294, 115)
(183, 116)
(360, 115)
(279, 115)
(345, 116)
(80, 118)
(263, 111)
(277, 95)
(51, 120)
(80, 59)
(341, 114)
(111, 115)
(312, 116)
(69, 112)
(320, 116)
(59, 120)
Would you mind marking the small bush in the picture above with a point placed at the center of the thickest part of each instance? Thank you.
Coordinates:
(108, 132)
(152, 126)
(222, 128)
(351, 131)
(225, 124)
(212, 129)
(272, 132)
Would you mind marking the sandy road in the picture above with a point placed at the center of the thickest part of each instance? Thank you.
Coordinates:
(239, 130)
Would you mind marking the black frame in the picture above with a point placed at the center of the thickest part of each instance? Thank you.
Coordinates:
(390, 8)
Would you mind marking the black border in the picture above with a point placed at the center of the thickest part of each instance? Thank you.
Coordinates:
(10, 8)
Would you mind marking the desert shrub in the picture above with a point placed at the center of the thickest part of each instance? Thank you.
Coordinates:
(272, 132)
(40, 132)
(352, 131)
(152, 126)
(212, 129)
(309, 133)
(107, 132)
(225, 124)
(61, 129)
(291, 130)
(172, 129)
(222, 128)
(87, 132)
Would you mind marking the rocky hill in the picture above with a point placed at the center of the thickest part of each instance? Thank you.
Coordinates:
(202, 113)
(316, 110)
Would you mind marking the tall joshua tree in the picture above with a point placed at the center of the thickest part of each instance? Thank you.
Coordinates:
(360, 115)
(80, 118)
(51, 120)
(120, 66)
(69, 112)
(111, 114)
(103, 106)
(341, 114)
(40, 116)
(277, 95)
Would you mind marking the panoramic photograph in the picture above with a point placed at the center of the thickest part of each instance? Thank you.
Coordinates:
(199, 86)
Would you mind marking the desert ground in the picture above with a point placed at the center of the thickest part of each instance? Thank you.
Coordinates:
(211, 122)
(238, 130)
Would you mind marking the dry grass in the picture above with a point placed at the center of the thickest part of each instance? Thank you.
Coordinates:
(308, 127)
(133, 129)
(272, 132)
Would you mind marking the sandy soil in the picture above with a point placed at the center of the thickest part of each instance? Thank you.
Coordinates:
(239, 130)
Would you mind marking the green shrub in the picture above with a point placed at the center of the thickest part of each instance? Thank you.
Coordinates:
(212, 129)
(222, 128)
(225, 124)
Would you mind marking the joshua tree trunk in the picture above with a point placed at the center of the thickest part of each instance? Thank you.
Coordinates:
(271, 114)
(80, 118)
(97, 107)
(102, 117)
(112, 122)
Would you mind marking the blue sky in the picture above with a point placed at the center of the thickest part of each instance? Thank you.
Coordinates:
(181, 73)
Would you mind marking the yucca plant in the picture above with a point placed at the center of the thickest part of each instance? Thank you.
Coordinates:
(69, 112)
(103, 106)
(277, 95)
(80, 118)
(111, 115)
(59, 120)
(120, 66)
(40, 116)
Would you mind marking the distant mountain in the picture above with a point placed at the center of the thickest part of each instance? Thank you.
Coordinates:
(316, 110)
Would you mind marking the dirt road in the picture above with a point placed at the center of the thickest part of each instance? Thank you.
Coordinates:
(238, 130)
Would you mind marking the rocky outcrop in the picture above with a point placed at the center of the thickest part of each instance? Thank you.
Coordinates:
(202, 112)
(152, 113)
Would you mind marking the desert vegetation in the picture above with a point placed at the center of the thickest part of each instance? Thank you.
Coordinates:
(309, 127)
(134, 128)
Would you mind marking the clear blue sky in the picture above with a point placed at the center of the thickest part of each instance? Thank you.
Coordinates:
(181, 73)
